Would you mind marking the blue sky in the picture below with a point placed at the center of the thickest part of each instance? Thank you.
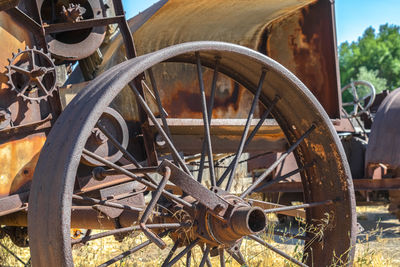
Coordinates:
(352, 16)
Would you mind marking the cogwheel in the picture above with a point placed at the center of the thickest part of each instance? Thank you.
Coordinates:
(32, 74)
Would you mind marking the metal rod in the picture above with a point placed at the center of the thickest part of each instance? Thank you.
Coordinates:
(13, 254)
(136, 178)
(125, 152)
(210, 109)
(160, 108)
(221, 257)
(171, 252)
(205, 258)
(183, 252)
(157, 194)
(129, 252)
(205, 120)
(282, 178)
(106, 203)
(276, 163)
(246, 130)
(126, 230)
(251, 136)
(280, 252)
(147, 109)
(140, 170)
(189, 258)
(296, 207)
(86, 237)
(237, 258)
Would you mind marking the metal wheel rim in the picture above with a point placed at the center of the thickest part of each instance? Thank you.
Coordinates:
(61, 189)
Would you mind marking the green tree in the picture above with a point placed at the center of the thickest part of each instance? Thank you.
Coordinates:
(374, 56)
(364, 74)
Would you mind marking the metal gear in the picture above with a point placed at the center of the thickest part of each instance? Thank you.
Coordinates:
(32, 74)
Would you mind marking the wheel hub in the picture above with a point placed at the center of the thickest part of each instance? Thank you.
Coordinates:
(240, 220)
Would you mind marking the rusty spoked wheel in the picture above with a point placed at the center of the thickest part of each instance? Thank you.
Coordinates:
(180, 208)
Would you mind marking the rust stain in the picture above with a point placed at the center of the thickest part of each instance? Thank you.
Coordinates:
(18, 160)
(181, 98)
(304, 43)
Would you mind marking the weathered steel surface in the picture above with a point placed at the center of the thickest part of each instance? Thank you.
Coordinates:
(298, 34)
(13, 36)
(188, 135)
(13, 203)
(18, 160)
(7, 4)
(384, 142)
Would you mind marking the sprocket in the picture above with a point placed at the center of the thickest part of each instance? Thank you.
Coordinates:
(32, 74)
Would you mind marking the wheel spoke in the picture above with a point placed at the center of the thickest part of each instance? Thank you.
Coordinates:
(40, 84)
(250, 138)
(354, 90)
(84, 239)
(347, 104)
(269, 205)
(160, 108)
(246, 130)
(276, 163)
(105, 203)
(205, 258)
(221, 257)
(140, 170)
(129, 252)
(278, 251)
(296, 207)
(50, 70)
(135, 178)
(171, 252)
(182, 253)
(283, 178)
(147, 109)
(206, 121)
(210, 109)
(125, 152)
(126, 230)
(32, 58)
(189, 258)
(157, 194)
(20, 70)
(238, 257)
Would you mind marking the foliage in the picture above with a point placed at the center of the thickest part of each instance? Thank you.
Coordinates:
(364, 74)
(374, 57)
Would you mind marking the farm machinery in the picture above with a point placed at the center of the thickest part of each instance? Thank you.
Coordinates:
(172, 124)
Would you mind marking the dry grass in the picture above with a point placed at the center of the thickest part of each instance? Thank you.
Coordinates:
(372, 250)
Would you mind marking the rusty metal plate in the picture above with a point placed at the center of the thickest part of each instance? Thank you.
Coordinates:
(300, 34)
(18, 160)
(384, 142)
